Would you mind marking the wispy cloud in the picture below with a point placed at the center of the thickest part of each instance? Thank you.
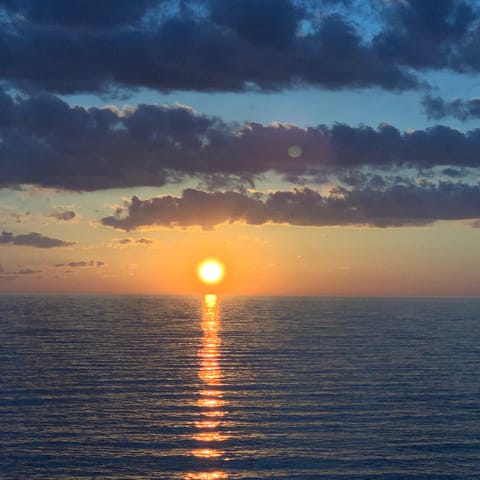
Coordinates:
(64, 216)
(32, 240)
(82, 264)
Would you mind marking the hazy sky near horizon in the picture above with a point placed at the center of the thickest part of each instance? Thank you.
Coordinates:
(315, 147)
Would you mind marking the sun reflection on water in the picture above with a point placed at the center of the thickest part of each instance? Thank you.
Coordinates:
(210, 399)
(206, 476)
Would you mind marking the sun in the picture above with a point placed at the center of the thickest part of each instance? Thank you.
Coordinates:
(211, 271)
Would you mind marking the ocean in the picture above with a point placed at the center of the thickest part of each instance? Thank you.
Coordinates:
(145, 387)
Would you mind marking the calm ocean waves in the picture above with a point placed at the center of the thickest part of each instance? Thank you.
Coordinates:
(239, 388)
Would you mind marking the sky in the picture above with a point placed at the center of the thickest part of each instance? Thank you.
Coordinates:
(314, 147)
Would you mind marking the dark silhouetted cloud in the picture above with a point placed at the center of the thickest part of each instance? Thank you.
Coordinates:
(453, 172)
(124, 242)
(80, 13)
(81, 264)
(437, 108)
(65, 216)
(269, 23)
(235, 45)
(144, 241)
(425, 33)
(32, 240)
(399, 205)
(46, 142)
(76, 46)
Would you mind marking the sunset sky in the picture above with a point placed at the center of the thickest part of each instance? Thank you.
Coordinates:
(314, 147)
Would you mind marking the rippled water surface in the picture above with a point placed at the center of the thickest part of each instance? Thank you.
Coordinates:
(239, 388)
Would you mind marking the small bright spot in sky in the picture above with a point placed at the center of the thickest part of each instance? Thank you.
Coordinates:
(295, 151)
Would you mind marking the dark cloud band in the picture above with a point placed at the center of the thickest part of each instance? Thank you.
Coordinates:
(395, 206)
(46, 142)
(213, 45)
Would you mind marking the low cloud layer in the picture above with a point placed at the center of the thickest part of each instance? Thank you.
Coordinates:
(32, 240)
(46, 142)
(394, 206)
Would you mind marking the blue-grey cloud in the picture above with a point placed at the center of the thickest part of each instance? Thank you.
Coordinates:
(400, 205)
(437, 108)
(270, 23)
(236, 45)
(79, 46)
(80, 13)
(46, 142)
(426, 33)
(32, 240)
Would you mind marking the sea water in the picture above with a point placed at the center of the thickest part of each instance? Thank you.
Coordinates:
(142, 387)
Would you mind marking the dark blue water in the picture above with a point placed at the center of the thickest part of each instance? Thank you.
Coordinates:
(239, 388)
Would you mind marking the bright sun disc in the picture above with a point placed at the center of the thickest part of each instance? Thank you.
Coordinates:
(210, 271)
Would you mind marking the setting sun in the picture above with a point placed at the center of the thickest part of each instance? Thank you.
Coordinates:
(211, 271)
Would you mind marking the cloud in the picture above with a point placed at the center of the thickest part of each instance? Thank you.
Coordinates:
(14, 274)
(214, 45)
(65, 216)
(270, 23)
(129, 242)
(48, 143)
(25, 271)
(211, 46)
(437, 108)
(81, 264)
(80, 13)
(144, 241)
(426, 34)
(400, 205)
(32, 240)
